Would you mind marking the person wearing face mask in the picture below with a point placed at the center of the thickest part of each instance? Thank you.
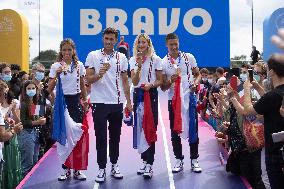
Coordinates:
(29, 137)
(181, 73)
(211, 79)
(269, 106)
(260, 72)
(37, 76)
(15, 83)
(204, 92)
(244, 73)
(205, 78)
(6, 74)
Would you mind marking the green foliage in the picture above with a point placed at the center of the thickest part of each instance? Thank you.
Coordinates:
(47, 58)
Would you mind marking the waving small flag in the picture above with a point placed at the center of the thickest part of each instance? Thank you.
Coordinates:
(37, 110)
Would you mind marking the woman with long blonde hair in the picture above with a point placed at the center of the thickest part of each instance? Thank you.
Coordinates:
(146, 75)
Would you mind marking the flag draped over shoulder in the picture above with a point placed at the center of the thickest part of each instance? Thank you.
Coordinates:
(70, 136)
(144, 132)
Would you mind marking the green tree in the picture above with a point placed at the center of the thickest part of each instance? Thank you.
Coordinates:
(47, 58)
(238, 61)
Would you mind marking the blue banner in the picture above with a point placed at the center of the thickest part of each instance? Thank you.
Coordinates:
(203, 26)
(270, 28)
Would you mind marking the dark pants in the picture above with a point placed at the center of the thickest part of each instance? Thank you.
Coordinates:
(274, 164)
(74, 107)
(176, 140)
(250, 166)
(1, 173)
(149, 154)
(113, 114)
(75, 110)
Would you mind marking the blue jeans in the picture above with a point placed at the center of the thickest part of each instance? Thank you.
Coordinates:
(29, 149)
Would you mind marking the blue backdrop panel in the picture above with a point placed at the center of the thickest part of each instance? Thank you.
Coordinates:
(270, 27)
(210, 46)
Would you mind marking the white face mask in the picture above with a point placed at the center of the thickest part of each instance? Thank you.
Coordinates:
(210, 81)
(204, 79)
(31, 92)
(243, 77)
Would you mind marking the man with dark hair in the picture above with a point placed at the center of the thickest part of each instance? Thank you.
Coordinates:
(254, 55)
(220, 72)
(171, 36)
(181, 72)
(15, 68)
(107, 75)
(269, 106)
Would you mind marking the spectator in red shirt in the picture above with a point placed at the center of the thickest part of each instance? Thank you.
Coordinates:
(123, 47)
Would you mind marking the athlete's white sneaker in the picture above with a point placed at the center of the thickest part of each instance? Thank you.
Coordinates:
(148, 172)
(141, 170)
(115, 172)
(101, 177)
(195, 166)
(65, 175)
(78, 175)
(178, 166)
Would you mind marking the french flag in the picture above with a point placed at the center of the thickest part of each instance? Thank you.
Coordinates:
(144, 130)
(72, 138)
(37, 110)
(184, 110)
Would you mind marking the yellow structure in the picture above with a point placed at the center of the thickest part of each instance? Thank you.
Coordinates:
(14, 39)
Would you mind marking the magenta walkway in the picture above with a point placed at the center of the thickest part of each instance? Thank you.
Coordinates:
(44, 175)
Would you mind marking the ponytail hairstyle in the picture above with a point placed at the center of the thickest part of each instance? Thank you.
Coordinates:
(68, 41)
